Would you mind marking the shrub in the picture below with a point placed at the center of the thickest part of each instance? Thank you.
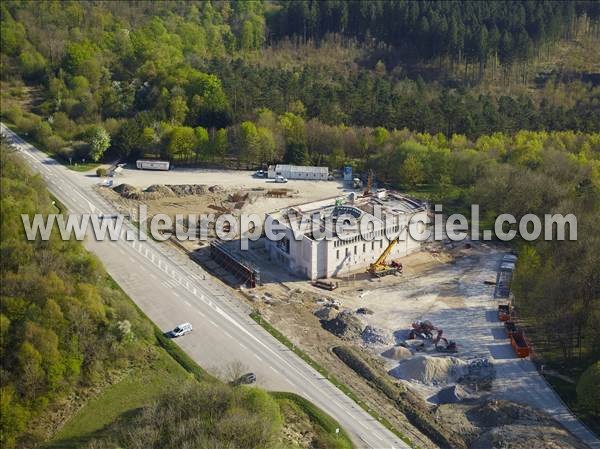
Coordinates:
(54, 143)
(101, 172)
(588, 392)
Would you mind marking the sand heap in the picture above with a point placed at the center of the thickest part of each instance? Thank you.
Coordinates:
(431, 370)
(397, 353)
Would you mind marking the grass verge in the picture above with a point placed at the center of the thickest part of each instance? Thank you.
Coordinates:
(178, 354)
(319, 418)
(256, 316)
(136, 390)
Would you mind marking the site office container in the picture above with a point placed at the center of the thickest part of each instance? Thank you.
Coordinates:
(149, 164)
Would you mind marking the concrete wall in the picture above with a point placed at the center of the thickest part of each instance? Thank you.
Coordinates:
(323, 259)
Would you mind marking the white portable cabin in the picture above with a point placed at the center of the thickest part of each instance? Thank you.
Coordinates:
(298, 172)
(149, 164)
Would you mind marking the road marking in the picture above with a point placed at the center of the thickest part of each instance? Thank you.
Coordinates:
(187, 303)
(201, 314)
(213, 323)
(257, 357)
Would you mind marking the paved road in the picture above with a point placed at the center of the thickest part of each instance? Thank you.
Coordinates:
(171, 289)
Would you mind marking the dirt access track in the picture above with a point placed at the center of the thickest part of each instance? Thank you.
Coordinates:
(447, 287)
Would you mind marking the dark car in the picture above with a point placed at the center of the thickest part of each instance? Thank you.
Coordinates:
(244, 379)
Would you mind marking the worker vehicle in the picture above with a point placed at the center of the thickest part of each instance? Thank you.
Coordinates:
(380, 268)
(425, 330)
(280, 179)
(181, 330)
(260, 174)
(325, 284)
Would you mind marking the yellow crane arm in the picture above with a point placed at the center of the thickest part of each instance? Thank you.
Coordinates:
(380, 262)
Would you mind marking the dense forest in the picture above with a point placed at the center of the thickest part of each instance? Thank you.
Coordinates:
(178, 80)
(468, 31)
(63, 323)
(460, 102)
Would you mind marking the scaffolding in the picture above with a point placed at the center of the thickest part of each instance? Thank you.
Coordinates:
(239, 267)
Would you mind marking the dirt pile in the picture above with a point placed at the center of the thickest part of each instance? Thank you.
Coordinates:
(397, 353)
(375, 336)
(526, 437)
(345, 325)
(452, 395)
(507, 424)
(431, 370)
(128, 191)
(504, 425)
(158, 191)
(326, 313)
(188, 189)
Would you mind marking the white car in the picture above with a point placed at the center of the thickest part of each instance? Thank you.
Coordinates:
(181, 330)
(281, 179)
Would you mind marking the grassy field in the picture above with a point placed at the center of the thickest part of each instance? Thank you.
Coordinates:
(136, 390)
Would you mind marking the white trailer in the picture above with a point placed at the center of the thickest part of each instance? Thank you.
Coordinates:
(298, 172)
(150, 164)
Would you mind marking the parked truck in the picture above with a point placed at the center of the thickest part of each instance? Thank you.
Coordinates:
(519, 344)
(510, 327)
(504, 312)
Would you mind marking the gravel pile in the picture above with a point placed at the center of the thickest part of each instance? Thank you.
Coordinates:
(431, 370)
(374, 336)
(345, 325)
(452, 395)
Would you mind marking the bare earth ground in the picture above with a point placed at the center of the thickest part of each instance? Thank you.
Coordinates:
(445, 285)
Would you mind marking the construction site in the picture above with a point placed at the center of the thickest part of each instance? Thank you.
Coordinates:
(422, 332)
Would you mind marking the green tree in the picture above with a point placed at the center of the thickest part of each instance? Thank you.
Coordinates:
(178, 110)
(33, 64)
(182, 143)
(99, 141)
(202, 142)
(588, 393)
(412, 171)
(220, 143)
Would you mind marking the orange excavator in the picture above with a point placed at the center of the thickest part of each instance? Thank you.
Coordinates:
(425, 329)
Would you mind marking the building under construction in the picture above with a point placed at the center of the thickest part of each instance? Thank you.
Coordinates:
(388, 216)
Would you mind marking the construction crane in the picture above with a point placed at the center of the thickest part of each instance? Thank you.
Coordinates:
(379, 268)
(369, 188)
